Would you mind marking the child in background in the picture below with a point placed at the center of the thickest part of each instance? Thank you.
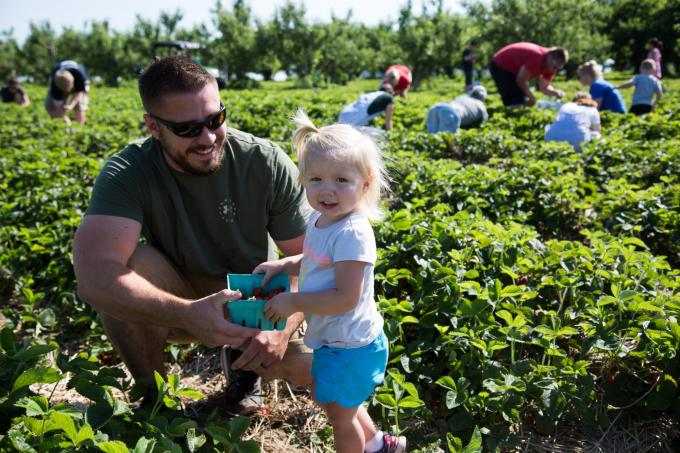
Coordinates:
(655, 46)
(648, 89)
(602, 92)
(343, 174)
(577, 121)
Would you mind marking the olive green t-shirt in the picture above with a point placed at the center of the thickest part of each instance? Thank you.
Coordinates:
(207, 225)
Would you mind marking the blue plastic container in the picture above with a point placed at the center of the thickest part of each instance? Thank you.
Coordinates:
(250, 313)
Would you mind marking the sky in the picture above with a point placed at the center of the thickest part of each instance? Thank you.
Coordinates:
(18, 14)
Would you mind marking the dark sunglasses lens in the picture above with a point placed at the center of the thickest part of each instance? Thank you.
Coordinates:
(187, 130)
(218, 119)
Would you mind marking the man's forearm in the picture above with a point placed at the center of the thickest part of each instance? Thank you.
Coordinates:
(125, 295)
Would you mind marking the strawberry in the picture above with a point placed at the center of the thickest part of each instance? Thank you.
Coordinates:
(257, 292)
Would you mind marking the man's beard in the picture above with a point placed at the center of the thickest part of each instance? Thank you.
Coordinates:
(179, 159)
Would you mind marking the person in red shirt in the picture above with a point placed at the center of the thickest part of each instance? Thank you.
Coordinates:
(397, 80)
(515, 65)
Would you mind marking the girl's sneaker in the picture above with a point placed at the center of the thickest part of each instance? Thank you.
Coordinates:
(393, 444)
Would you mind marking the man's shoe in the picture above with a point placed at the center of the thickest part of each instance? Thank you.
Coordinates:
(243, 395)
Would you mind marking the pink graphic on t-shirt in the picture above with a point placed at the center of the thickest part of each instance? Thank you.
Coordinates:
(323, 261)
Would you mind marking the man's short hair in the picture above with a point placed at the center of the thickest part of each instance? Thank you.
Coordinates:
(12, 80)
(648, 65)
(171, 75)
(560, 54)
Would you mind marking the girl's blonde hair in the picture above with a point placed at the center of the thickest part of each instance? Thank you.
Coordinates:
(343, 142)
(590, 68)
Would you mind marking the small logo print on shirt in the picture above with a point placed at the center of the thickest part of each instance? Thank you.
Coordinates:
(228, 210)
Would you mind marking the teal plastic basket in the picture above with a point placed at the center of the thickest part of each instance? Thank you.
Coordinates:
(250, 313)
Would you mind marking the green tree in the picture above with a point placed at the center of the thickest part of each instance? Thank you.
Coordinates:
(632, 23)
(9, 63)
(429, 42)
(236, 43)
(574, 24)
(296, 42)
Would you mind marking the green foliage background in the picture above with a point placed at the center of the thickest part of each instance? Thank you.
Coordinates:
(425, 36)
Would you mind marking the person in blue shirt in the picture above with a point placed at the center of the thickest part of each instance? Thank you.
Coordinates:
(602, 92)
(648, 89)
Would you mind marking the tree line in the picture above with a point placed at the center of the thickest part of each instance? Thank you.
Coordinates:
(426, 37)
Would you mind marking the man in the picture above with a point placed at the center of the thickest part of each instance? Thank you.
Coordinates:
(13, 93)
(208, 200)
(69, 87)
(515, 65)
(465, 111)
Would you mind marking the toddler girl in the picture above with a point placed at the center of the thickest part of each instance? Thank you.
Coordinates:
(343, 174)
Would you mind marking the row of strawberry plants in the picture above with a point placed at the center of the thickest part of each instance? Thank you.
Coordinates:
(499, 328)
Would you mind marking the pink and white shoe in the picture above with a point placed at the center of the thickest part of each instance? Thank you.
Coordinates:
(393, 444)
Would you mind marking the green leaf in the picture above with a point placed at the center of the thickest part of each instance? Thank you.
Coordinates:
(7, 340)
(144, 445)
(386, 400)
(116, 446)
(99, 413)
(237, 427)
(249, 446)
(410, 402)
(190, 393)
(475, 444)
(447, 382)
(84, 433)
(33, 352)
(66, 424)
(16, 436)
(35, 405)
(194, 442)
(42, 375)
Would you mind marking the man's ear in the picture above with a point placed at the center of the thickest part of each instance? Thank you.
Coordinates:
(151, 125)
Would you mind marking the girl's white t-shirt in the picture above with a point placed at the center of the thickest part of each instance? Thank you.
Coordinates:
(350, 239)
(573, 124)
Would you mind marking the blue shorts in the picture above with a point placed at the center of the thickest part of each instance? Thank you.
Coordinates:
(349, 376)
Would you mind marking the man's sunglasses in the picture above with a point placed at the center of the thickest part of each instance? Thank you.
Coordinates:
(188, 129)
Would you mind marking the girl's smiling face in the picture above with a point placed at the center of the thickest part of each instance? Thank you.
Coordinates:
(334, 187)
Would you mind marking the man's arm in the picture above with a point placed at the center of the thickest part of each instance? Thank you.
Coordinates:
(522, 80)
(102, 248)
(546, 88)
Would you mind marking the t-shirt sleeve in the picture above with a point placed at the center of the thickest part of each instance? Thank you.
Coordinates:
(289, 209)
(355, 242)
(78, 80)
(594, 116)
(596, 91)
(118, 191)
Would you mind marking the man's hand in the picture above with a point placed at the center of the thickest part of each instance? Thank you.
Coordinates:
(263, 350)
(280, 307)
(205, 321)
(559, 94)
(531, 101)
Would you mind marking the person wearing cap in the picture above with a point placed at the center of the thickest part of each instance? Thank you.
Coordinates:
(397, 80)
(13, 93)
(69, 86)
(515, 65)
(466, 111)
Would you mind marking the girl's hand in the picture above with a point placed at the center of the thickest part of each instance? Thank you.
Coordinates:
(280, 307)
(270, 269)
